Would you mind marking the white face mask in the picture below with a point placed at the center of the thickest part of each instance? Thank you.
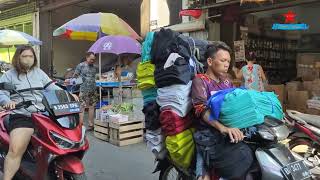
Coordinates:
(27, 62)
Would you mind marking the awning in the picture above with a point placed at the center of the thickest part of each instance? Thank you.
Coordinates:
(7, 4)
(190, 26)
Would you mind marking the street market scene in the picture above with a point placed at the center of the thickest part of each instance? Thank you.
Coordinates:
(159, 90)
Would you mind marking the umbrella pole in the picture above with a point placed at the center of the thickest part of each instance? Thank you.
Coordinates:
(9, 54)
(120, 82)
(100, 87)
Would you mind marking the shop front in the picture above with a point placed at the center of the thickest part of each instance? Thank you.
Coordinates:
(285, 40)
(21, 18)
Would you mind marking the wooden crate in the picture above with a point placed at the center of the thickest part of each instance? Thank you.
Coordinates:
(125, 133)
(101, 130)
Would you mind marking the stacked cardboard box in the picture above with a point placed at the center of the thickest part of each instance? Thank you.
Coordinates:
(298, 93)
(308, 66)
(279, 90)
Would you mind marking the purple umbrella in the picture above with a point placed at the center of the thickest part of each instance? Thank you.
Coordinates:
(116, 45)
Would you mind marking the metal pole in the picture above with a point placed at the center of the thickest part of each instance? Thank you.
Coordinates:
(9, 54)
(100, 86)
(120, 85)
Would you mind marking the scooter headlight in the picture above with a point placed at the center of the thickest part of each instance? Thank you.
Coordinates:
(61, 141)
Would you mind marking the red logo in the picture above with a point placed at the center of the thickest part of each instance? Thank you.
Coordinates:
(290, 17)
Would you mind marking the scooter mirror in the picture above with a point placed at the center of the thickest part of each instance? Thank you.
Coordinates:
(7, 86)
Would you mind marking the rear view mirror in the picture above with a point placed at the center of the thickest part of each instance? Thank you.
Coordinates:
(7, 86)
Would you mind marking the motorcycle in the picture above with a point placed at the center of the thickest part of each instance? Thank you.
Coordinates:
(273, 160)
(305, 138)
(58, 144)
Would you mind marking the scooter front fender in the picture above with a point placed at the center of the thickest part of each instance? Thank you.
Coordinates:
(271, 160)
(71, 164)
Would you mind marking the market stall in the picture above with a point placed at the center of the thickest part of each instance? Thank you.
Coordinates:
(116, 114)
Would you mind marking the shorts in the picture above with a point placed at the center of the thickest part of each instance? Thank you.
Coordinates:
(88, 99)
(20, 121)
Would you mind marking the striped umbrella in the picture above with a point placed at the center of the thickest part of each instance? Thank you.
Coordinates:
(94, 25)
(9, 38)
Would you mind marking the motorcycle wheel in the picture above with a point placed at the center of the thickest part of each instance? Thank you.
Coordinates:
(171, 173)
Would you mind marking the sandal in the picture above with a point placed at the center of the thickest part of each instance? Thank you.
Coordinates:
(90, 128)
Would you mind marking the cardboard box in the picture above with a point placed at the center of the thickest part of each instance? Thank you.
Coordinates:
(310, 74)
(136, 93)
(291, 86)
(297, 100)
(313, 111)
(308, 58)
(307, 85)
(126, 92)
(278, 90)
(311, 85)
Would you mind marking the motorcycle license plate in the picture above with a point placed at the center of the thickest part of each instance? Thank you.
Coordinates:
(296, 171)
(66, 108)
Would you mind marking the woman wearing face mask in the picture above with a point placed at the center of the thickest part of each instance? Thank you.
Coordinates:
(29, 80)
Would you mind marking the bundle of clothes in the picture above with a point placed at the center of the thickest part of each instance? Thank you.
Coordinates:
(169, 63)
(165, 77)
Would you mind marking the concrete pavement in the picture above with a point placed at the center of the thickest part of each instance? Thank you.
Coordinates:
(104, 161)
(108, 162)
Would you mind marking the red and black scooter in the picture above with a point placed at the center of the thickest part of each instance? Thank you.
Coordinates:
(58, 143)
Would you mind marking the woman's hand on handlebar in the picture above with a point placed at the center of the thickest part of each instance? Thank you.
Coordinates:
(75, 97)
(10, 105)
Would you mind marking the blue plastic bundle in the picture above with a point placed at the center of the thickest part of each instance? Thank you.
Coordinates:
(242, 108)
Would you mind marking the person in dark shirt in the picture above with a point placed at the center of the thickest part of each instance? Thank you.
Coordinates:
(88, 95)
(230, 157)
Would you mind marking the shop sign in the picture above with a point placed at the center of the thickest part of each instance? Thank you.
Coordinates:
(239, 51)
(289, 23)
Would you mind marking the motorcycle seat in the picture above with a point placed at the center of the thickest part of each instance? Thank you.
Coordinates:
(301, 117)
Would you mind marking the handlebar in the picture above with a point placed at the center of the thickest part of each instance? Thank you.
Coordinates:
(24, 104)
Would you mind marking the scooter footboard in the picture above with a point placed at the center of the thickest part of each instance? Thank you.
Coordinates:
(272, 159)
